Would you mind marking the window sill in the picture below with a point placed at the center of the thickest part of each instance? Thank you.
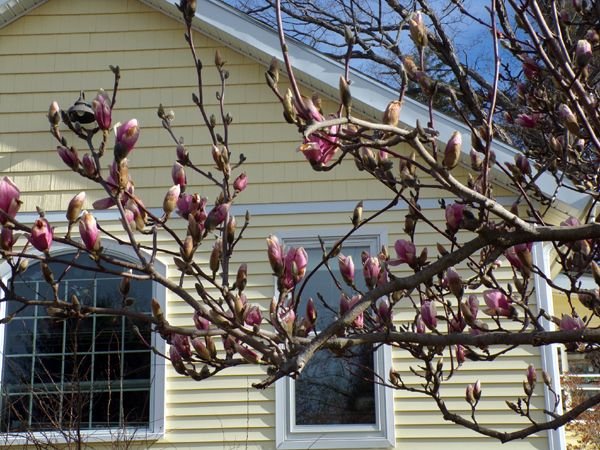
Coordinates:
(87, 436)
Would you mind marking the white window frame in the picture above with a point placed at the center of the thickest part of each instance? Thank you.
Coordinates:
(156, 417)
(379, 435)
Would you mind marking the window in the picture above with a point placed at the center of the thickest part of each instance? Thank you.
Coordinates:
(335, 403)
(94, 373)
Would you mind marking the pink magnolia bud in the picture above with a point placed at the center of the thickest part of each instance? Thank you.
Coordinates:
(346, 305)
(460, 354)
(452, 151)
(531, 375)
(454, 216)
(102, 110)
(182, 344)
(527, 120)
(419, 325)
(454, 282)
(248, 354)
(170, 201)
(216, 216)
(583, 53)
(275, 254)
(9, 199)
(89, 166)
(7, 239)
(242, 277)
(477, 390)
(182, 154)
(41, 235)
(200, 322)
(371, 271)
(200, 348)
(287, 318)
(127, 135)
(476, 161)
(252, 316)
(530, 68)
(523, 164)
(570, 222)
(391, 115)
(74, 208)
(240, 182)
(294, 266)
(177, 361)
(382, 307)
(69, 156)
(178, 175)
(311, 311)
(498, 304)
(104, 203)
(428, 313)
(346, 268)
(88, 229)
(568, 118)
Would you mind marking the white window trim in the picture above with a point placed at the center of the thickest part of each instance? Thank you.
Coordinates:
(382, 434)
(156, 425)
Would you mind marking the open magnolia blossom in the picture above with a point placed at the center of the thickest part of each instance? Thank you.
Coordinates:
(456, 308)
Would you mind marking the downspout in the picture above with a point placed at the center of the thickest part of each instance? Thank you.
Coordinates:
(549, 353)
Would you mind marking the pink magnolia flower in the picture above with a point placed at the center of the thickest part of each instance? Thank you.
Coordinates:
(346, 268)
(383, 309)
(428, 313)
(102, 110)
(406, 252)
(454, 216)
(346, 305)
(182, 345)
(307, 110)
(454, 282)
(319, 149)
(522, 163)
(88, 229)
(41, 235)
(189, 204)
(104, 203)
(241, 182)
(287, 319)
(568, 323)
(498, 304)
(530, 68)
(294, 266)
(9, 199)
(200, 348)
(252, 316)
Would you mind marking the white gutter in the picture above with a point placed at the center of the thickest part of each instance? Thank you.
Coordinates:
(549, 353)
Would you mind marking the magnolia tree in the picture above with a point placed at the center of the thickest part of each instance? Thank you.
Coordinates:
(547, 106)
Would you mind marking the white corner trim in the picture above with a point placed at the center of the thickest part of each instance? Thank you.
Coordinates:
(549, 353)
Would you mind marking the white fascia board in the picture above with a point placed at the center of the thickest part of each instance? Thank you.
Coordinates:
(11, 10)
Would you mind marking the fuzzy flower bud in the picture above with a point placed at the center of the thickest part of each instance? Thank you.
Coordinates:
(568, 118)
(583, 53)
(54, 113)
(452, 151)
(74, 208)
(170, 201)
(418, 32)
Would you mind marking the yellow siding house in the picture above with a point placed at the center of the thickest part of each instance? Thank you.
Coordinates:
(52, 50)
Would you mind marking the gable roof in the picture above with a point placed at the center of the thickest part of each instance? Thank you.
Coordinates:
(253, 39)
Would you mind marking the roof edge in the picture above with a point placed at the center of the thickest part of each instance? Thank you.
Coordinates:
(12, 10)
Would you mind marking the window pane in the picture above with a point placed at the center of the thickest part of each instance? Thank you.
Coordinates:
(334, 390)
(58, 372)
